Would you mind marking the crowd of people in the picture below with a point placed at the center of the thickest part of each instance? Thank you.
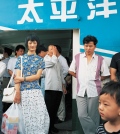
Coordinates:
(42, 87)
(46, 80)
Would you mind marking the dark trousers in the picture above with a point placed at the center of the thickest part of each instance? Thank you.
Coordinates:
(6, 106)
(52, 100)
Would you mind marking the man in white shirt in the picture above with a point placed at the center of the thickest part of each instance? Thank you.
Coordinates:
(6, 55)
(54, 85)
(89, 69)
(6, 77)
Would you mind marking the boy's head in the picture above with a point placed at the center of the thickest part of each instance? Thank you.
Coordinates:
(41, 51)
(89, 44)
(19, 50)
(109, 101)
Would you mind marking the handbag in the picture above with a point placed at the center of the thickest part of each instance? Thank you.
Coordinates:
(9, 92)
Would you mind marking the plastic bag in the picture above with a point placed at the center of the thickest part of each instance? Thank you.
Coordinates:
(21, 128)
(10, 120)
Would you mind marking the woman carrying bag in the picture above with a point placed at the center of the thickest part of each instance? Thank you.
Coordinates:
(28, 93)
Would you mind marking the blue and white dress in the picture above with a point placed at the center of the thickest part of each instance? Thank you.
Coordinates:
(35, 115)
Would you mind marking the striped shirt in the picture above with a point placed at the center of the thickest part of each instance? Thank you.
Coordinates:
(89, 75)
(101, 130)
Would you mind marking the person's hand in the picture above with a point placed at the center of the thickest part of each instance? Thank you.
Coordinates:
(48, 53)
(18, 79)
(54, 50)
(17, 98)
(64, 90)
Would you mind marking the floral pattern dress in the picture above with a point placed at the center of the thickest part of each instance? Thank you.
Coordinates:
(35, 115)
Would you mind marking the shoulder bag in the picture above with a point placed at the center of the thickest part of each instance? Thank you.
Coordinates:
(9, 92)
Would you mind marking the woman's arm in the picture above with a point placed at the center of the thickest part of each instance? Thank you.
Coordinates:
(33, 77)
(10, 73)
(19, 79)
(17, 98)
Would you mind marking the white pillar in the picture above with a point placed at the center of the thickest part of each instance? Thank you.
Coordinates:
(76, 49)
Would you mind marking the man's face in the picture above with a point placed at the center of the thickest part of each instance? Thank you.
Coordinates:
(42, 54)
(20, 52)
(89, 48)
(50, 50)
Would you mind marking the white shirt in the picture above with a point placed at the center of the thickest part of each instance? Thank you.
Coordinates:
(53, 73)
(6, 74)
(64, 65)
(11, 66)
(2, 70)
(88, 76)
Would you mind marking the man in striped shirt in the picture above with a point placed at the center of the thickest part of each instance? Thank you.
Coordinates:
(89, 69)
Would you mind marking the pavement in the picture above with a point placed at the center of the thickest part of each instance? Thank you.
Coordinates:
(66, 126)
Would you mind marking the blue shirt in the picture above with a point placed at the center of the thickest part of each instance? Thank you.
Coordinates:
(31, 64)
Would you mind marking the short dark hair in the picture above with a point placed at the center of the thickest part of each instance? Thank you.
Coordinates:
(32, 37)
(90, 38)
(113, 89)
(41, 48)
(19, 47)
(58, 48)
(8, 51)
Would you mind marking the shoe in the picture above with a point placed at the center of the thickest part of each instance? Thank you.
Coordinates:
(58, 121)
(54, 130)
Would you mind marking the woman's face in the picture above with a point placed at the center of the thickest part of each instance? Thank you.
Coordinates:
(32, 45)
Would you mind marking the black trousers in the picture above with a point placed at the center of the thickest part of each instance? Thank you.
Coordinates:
(52, 100)
(6, 106)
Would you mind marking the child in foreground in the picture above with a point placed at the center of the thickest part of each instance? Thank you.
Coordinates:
(109, 109)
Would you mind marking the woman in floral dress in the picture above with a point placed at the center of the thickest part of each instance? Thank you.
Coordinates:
(28, 93)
